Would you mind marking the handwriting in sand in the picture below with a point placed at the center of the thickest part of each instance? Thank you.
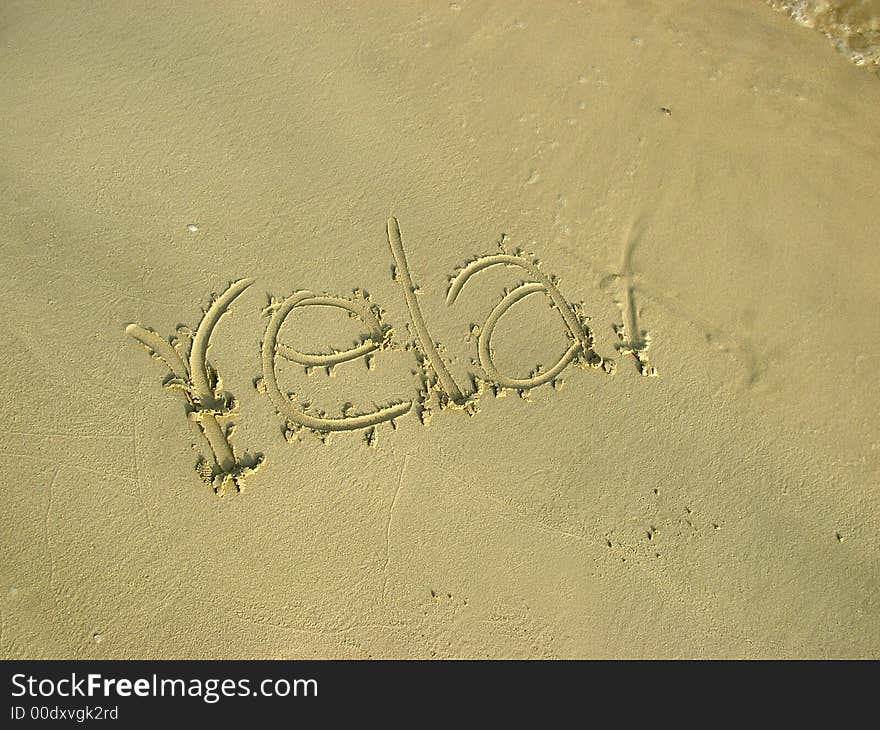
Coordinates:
(214, 410)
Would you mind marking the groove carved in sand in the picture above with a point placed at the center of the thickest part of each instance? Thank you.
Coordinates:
(580, 349)
(432, 359)
(206, 403)
(377, 338)
(633, 339)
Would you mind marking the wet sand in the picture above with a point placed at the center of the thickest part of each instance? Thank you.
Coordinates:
(426, 330)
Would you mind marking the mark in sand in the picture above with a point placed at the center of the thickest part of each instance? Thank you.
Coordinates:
(580, 350)
(633, 340)
(206, 403)
(186, 355)
(449, 388)
(388, 528)
(377, 338)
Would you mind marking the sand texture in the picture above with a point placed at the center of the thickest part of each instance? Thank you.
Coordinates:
(505, 329)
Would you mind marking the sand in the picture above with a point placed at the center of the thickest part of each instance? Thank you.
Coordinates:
(510, 330)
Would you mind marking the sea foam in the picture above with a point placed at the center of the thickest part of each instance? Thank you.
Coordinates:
(853, 26)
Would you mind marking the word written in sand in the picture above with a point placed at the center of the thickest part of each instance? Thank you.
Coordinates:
(214, 410)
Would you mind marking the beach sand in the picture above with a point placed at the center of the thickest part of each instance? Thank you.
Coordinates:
(697, 478)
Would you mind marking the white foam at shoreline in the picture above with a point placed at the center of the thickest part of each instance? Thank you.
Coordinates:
(853, 26)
